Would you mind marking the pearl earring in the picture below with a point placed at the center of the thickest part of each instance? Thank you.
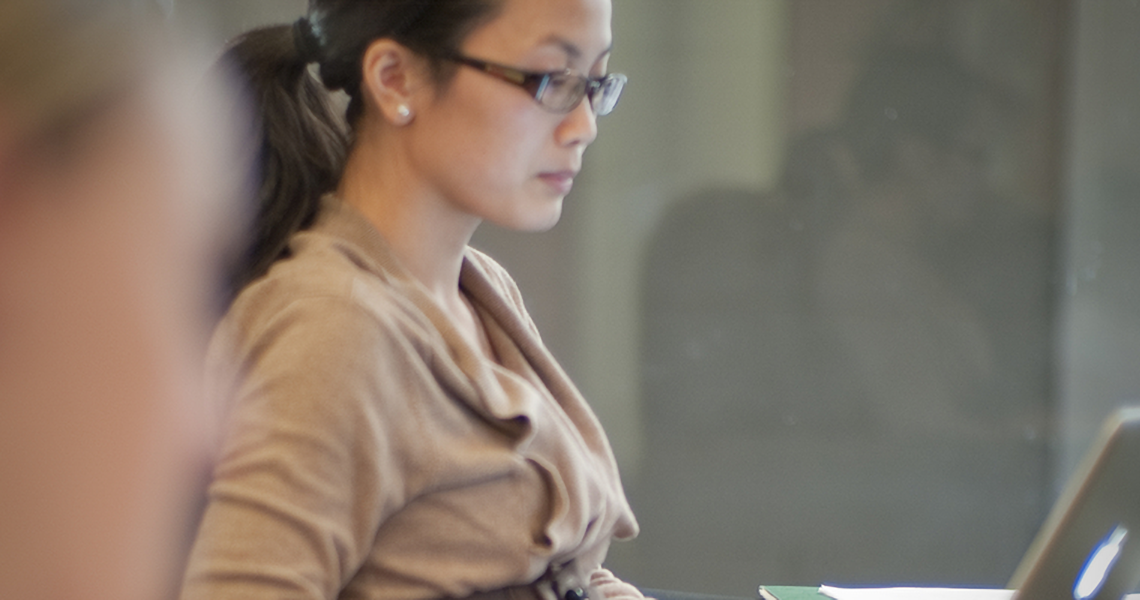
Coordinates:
(404, 114)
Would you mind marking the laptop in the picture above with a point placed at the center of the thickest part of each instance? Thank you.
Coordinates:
(1089, 546)
(1087, 549)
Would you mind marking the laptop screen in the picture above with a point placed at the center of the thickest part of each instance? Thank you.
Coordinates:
(1089, 547)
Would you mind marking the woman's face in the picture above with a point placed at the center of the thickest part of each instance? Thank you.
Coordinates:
(490, 150)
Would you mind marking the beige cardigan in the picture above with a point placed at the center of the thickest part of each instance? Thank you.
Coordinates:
(370, 452)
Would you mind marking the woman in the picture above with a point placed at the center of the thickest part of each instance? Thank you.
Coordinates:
(395, 427)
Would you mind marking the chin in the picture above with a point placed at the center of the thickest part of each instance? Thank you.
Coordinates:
(540, 219)
(551, 220)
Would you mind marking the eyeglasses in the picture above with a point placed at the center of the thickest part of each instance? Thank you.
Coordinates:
(558, 91)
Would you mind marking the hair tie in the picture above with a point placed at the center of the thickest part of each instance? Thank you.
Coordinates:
(306, 41)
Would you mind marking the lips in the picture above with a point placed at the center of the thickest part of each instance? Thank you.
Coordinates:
(559, 181)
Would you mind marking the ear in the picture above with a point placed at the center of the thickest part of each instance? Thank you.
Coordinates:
(391, 76)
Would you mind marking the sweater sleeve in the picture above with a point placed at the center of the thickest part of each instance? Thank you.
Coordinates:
(309, 467)
(605, 586)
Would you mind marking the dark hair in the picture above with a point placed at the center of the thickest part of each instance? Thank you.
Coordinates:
(304, 139)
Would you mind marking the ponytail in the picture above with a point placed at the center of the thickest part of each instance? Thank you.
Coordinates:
(303, 143)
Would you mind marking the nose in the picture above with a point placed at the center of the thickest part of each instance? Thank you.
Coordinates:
(579, 126)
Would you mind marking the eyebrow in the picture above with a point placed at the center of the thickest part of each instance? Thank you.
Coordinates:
(571, 49)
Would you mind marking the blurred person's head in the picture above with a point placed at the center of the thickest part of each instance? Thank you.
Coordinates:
(116, 174)
(908, 92)
(916, 122)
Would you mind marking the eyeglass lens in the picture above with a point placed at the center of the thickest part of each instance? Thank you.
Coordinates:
(605, 97)
(563, 92)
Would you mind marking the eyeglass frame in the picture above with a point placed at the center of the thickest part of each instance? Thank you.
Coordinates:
(536, 82)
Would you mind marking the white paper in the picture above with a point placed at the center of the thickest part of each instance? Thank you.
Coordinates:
(922, 593)
(914, 593)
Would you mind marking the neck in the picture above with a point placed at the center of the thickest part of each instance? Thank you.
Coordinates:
(425, 231)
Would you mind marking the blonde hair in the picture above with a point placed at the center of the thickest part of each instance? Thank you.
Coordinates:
(58, 58)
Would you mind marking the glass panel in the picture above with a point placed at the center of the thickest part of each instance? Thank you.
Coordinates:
(846, 374)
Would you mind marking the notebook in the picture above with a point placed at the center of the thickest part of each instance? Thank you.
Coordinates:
(1088, 547)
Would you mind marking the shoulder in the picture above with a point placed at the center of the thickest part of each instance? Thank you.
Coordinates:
(330, 281)
(321, 317)
(312, 357)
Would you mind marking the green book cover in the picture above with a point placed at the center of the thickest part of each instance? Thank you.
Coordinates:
(787, 592)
